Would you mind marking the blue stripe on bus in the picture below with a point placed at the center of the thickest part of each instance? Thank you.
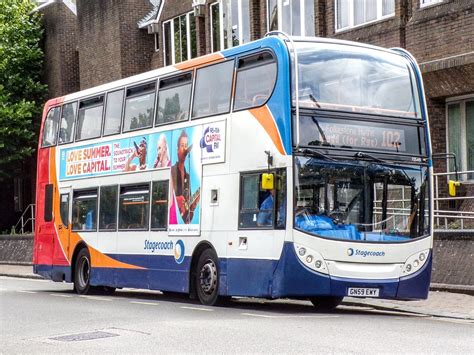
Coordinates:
(286, 277)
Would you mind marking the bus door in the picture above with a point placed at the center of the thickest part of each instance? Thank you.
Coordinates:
(257, 245)
(61, 245)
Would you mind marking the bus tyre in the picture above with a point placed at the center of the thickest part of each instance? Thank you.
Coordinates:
(82, 272)
(207, 278)
(326, 303)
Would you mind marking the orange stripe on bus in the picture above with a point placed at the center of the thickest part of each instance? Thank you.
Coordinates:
(265, 118)
(196, 62)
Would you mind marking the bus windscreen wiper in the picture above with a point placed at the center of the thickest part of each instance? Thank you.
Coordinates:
(315, 153)
(369, 156)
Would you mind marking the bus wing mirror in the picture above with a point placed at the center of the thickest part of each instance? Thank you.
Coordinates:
(267, 181)
(452, 187)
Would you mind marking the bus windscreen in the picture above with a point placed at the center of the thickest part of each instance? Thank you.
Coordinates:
(355, 79)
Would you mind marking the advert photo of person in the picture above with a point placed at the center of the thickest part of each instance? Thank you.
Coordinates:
(140, 153)
(181, 181)
(162, 155)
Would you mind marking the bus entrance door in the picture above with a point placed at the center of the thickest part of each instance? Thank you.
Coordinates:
(61, 244)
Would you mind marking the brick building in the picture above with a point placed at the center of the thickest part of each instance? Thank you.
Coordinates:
(92, 42)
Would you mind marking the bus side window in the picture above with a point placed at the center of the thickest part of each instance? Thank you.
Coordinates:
(84, 210)
(159, 205)
(174, 98)
(108, 208)
(64, 209)
(50, 129)
(213, 88)
(134, 205)
(66, 128)
(139, 106)
(113, 112)
(256, 77)
(89, 120)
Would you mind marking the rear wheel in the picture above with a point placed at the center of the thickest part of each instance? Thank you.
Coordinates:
(207, 278)
(326, 303)
(82, 272)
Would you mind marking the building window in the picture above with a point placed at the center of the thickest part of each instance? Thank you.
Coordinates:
(352, 13)
(292, 17)
(424, 3)
(230, 24)
(460, 121)
(179, 39)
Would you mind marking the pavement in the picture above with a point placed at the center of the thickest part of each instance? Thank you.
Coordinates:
(440, 302)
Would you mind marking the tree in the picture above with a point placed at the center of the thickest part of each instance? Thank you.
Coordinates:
(21, 92)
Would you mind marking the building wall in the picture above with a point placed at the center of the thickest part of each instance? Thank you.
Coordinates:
(110, 45)
(61, 62)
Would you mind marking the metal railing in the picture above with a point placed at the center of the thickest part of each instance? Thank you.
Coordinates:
(448, 219)
(26, 223)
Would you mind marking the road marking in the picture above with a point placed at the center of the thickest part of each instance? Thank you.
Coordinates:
(198, 309)
(145, 303)
(286, 316)
(24, 291)
(59, 295)
(96, 298)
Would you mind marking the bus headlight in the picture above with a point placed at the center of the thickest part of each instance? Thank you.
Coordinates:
(415, 262)
(311, 259)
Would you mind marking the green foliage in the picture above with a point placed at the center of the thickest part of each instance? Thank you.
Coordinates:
(21, 92)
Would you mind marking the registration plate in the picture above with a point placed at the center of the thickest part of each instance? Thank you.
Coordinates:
(363, 292)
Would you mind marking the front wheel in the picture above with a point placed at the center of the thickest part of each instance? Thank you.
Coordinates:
(326, 303)
(207, 278)
(82, 272)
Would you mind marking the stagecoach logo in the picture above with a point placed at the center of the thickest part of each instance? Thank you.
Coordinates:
(179, 251)
(364, 253)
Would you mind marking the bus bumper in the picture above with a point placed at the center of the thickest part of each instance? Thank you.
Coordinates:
(293, 279)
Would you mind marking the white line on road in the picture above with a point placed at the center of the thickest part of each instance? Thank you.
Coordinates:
(24, 291)
(96, 298)
(145, 303)
(59, 295)
(286, 316)
(197, 309)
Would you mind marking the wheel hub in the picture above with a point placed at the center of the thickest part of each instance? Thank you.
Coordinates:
(84, 271)
(208, 277)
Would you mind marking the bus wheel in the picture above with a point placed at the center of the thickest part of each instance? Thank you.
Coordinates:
(326, 303)
(82, 272)
(207, 278)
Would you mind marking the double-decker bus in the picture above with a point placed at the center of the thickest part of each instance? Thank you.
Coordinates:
(285, 167)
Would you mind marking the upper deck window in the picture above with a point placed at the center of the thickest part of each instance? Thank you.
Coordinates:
(66, 129)
(89, 121)
(355, 79)
(50, 128)
(256, 76)
(211, 96)
(174, 96)
(113, 112)
(139, 106)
